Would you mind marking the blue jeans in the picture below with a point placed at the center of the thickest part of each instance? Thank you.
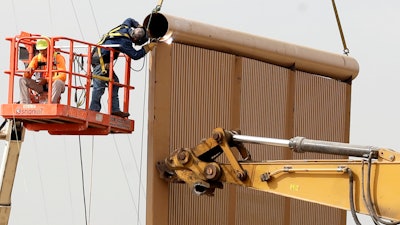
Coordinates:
(98, 91)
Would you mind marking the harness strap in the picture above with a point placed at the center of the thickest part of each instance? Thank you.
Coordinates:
(55, 61)
(40, 56)
(111, 34)
(103, 67)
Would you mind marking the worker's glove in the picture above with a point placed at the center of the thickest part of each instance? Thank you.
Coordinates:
(42, 81)
(150, 46)
(28, 72)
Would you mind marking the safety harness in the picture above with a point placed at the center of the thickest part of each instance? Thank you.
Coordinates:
(42, 63)
(111, 34)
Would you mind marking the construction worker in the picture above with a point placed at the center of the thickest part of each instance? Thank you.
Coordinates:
(124, 36)
(40, 84)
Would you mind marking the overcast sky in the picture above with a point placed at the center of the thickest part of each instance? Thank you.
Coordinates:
(48, 186)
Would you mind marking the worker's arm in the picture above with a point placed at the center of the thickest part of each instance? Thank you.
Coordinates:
(131, 23)
(126, 48)
(33, 64)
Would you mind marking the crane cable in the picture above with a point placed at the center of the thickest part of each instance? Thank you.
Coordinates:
(135, 205)
(158, 7)
(142, 138)
(155, 10)
(345, 49)
(88, 214)
(87, 211)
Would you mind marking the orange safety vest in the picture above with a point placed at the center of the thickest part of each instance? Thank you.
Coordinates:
(39, 62)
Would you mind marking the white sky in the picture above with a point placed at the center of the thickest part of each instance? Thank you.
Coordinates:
(48, 186)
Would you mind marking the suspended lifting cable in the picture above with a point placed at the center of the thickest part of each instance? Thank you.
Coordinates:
(141, 143)
(87, 219)
(83, 180)
(15, 16)
(345, 49)
(142, 133)
(155, 10)
(41, 181)
(158, 7)
(51, 17)
(79, 137)
(69, 181)
(91, 183)
(139, 165)
(126, 176)
(81, 101)
(76, 18)
(95, 21)
(87, 209)
(140, 186)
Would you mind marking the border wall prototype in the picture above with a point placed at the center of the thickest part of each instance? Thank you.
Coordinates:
(214, 77)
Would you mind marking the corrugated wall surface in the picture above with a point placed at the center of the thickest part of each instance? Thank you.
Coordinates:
(265, 102)
(321, 111)
(209, 89)
(194, 81)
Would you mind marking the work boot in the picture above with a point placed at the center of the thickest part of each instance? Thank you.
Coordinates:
(120, 114)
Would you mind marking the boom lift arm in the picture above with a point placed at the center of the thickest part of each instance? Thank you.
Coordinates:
(367, 185)
(13, 133)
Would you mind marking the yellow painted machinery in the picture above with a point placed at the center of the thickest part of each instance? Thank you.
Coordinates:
(367, 183)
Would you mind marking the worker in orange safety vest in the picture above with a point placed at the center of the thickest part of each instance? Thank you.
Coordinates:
(40, 84)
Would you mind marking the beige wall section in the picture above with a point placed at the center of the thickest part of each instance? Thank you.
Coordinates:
(159, 134)
(195, 89)
(196, 85)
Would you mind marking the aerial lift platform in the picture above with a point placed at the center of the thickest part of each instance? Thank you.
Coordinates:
(69, 117)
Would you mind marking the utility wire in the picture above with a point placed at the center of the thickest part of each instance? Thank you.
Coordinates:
(142, 131)
(41, 180)
(77, 20)
(83, 181)
(94, 17)
(15, 16)
(50, 16)
(140, 184)
(125, 174)
(91, 182)
(87, 219)
(69, 181)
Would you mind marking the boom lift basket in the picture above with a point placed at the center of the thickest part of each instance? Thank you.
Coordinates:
(67, 117)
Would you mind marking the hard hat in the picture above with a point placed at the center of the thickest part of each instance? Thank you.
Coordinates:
(41, 44)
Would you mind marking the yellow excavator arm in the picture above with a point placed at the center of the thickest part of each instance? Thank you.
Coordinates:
(368, 185)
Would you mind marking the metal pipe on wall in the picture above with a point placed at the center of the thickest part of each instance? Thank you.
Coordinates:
(336, 66)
